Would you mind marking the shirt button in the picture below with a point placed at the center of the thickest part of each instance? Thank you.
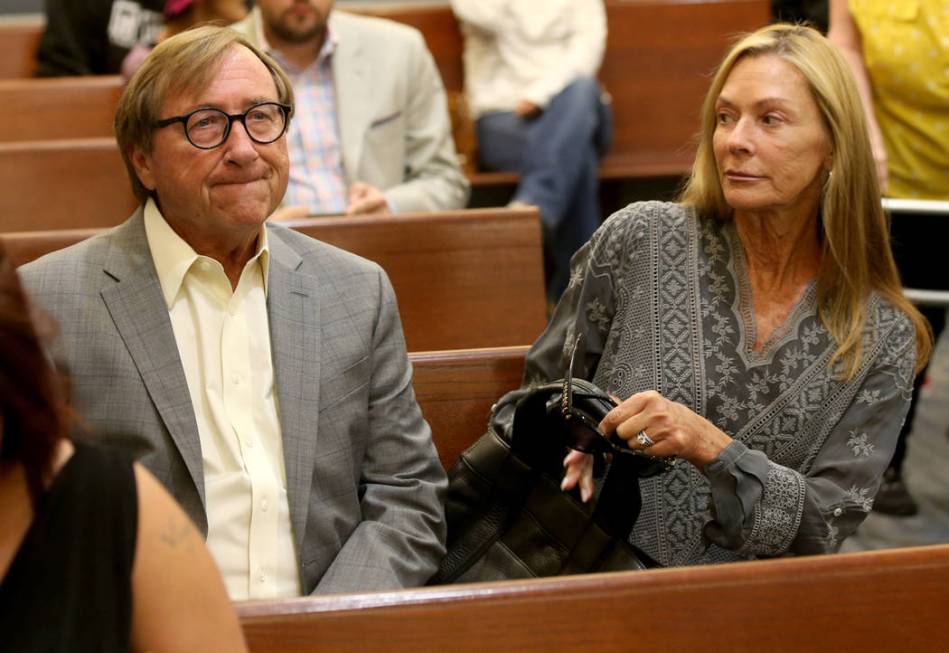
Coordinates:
(205, 265)
(249, 442)
(262, 579)
(236, 379)
(265, 505)
(838, 512)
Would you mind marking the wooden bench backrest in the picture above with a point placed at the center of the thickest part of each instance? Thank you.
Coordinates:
(456, 390)
(463, 279)
(63, 184)
(877, 601)
(19, 39)
(54, 108)
(660, 56)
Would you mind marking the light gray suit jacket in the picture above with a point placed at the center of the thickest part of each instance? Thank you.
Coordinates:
(364, 482)
(394, 129)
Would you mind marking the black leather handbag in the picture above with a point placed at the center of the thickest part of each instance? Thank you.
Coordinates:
(507, 516)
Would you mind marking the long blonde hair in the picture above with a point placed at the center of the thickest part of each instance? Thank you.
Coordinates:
(856, 256)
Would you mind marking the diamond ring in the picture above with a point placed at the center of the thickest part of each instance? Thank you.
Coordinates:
(644, 440)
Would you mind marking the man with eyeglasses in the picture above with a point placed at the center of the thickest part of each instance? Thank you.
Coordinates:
(372, 133)
(260, 374)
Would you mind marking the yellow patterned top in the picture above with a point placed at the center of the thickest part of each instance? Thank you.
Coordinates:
(906, 50)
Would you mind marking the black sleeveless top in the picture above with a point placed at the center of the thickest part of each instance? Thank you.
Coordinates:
(69, 587)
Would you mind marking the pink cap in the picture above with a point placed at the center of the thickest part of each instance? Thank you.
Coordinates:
(174, 8)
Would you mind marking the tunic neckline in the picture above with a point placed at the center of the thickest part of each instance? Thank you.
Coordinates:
(743, 307)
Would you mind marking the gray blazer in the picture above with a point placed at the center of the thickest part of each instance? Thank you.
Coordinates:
(394, 129)
(364, 482)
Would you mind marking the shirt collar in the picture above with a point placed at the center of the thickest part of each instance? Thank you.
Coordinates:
(329, 44)
(173, 256)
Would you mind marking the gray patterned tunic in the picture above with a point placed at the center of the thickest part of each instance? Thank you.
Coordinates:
(664, 302)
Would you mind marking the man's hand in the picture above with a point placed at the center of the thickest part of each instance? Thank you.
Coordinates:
(364, 198)
(526, 109)
(289, 213)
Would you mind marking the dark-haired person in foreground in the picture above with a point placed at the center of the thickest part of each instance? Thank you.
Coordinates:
(261, 375)
(94, 554)
(756, 330)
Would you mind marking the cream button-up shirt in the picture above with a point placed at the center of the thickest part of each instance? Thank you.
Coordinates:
(223, 338)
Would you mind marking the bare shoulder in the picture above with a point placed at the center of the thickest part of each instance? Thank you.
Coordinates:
(161, 520)
(180, 603)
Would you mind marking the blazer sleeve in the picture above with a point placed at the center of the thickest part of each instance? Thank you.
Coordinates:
(401, 537)
(433, 179)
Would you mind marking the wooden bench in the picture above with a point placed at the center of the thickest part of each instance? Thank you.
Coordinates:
(456, 390)
(464, 279)
(892, 600)
(63, 184)
(19, 39)
(56, 108)
(658, 58)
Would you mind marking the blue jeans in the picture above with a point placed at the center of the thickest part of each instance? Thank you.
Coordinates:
(557, 155)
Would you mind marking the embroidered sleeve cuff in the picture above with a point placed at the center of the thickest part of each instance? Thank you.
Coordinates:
(756, 505)
(777, 515)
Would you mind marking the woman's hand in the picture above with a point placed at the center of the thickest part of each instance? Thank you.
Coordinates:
(673, 429)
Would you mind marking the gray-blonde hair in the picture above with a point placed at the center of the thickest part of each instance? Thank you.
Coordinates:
(181, 63)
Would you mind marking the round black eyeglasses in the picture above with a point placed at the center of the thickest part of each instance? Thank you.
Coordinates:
(209, 128)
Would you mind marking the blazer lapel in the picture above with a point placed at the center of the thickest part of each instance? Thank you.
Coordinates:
(138, 309)
(294, 309)
(353, 80)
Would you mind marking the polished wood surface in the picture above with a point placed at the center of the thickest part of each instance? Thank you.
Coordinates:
(463, 279)
(19, 39)
(55, 108)
(470, 278)
(892, 600)
(659, 59)
(456, 390)
(25, 246)
(63, 184)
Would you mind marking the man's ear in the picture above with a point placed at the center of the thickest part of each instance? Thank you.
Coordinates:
(142, 162)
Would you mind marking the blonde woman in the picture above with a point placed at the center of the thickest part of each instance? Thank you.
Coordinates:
(756, 329)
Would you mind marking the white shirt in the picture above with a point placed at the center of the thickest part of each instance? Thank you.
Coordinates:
(528, 49)
(223, 338)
